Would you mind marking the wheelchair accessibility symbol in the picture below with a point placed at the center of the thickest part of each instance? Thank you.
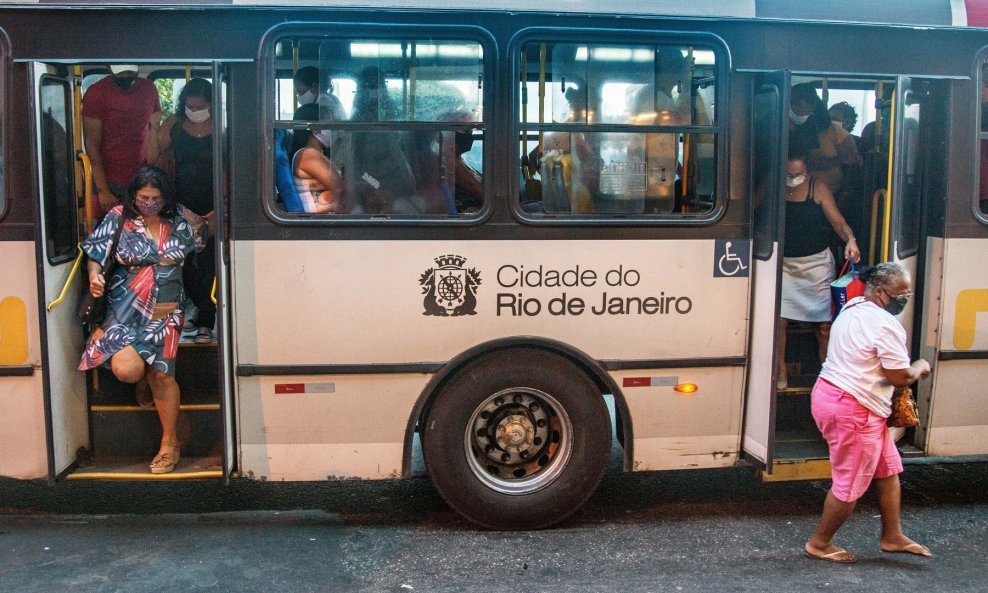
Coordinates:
(731, 259)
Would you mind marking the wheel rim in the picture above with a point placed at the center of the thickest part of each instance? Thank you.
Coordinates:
(518, 440)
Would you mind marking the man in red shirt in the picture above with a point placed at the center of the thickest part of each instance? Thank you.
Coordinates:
(120, 115)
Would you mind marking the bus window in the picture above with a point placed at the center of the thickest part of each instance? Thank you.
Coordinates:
(618, 129)
(57, 170)
(983, 139)
(370, 127)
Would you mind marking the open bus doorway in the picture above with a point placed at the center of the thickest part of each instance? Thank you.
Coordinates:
(97, 428)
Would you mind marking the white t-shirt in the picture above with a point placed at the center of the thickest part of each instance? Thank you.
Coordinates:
(864, 339)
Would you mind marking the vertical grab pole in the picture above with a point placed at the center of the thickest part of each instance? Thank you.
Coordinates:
(887, 219)
(541, 95)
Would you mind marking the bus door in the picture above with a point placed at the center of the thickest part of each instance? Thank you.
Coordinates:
(914, 232)
(59, 264)
(768, 137)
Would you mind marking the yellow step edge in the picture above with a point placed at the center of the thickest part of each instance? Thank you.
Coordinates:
(183, 407)
(787, 471)
(144, 476)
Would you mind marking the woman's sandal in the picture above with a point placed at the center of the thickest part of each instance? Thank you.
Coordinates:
(165, 461)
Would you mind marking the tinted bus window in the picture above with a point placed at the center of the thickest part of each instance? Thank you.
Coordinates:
(57, 160)
(370, 127)
(617, 130)
(983, 140)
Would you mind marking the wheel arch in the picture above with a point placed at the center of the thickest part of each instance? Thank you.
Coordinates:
(590, 366)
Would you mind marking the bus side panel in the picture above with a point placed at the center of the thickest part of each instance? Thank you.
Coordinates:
(958, 420)
(22, 424)
(367, 302)
(675, 430)
(325, 427)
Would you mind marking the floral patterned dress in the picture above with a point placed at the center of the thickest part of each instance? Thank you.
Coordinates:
(147, 273)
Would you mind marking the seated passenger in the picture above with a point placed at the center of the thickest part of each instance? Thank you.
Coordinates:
(318, 181)
(378, 178)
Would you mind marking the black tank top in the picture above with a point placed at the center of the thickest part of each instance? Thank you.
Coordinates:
(193, 170)
(806, 227)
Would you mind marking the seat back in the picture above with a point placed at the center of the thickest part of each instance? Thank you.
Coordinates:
(283, 178)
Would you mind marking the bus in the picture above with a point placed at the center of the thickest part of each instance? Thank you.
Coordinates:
(616, 276)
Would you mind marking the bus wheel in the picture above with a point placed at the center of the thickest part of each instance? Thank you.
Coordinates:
(517, 440)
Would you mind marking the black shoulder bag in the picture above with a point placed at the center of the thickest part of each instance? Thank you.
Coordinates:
(92, 310)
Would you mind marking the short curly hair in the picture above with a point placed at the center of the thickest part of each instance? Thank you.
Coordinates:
(848, 114)
(884, 274)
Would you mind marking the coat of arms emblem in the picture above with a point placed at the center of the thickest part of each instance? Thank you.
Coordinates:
(450, 289)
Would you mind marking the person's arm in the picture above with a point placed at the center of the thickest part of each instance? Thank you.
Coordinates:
(96, 280)
(467, 181)
(313, 165)
(847, 150)
(919, 369)
(151, 144)
(823, 197)
(165, 134)
(93, 131)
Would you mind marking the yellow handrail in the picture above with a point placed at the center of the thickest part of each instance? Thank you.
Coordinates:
(87, 188)
(887, 222)
(68, 280)
(878, 196)
(212, 293)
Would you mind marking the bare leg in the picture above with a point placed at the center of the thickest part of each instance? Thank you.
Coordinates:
(835, 513)
(782, 373)
(127, 365)
(166, 400)
(892, 538)
(822, 331)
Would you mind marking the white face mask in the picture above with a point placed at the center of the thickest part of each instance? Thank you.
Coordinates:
(306, 98)
(325, 137)
(797, 119)
(795, 181)
(197, 117)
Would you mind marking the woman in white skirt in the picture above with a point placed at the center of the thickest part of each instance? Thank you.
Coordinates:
(807, 263)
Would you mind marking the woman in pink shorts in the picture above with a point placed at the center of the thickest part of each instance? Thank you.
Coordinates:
(866, 359)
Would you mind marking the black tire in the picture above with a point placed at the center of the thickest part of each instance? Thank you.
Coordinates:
(539, 440)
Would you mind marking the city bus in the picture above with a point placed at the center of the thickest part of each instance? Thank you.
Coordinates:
(560, 229)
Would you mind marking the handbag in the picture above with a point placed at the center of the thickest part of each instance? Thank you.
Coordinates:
(904, 413)
(90, 309)
(846, 287)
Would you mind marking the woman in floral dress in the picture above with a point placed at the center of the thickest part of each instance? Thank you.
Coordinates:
(139, 337)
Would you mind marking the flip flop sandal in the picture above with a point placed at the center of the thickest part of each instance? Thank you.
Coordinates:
(833, 556)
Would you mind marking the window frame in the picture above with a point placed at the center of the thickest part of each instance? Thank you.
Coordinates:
(332, 31)
(4, 120)
(981, 59)
(49, 201)
(719, 128)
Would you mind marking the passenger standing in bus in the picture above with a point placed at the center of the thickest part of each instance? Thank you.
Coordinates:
(309, 92)
(807, 263)
(317, 179)
(120, 116)
(139, 337)
(852, 397)
(189, 134)
(827, 146)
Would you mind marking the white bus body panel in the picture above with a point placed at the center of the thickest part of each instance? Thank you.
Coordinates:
(364, 302)
(958, 419)
(22, 424)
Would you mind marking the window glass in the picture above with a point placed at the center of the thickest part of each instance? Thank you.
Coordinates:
(983, 140)
(57, 171)
(3, 134)
(615, 129)
(370, 127)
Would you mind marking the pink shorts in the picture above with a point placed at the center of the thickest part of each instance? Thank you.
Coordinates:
(861, 448)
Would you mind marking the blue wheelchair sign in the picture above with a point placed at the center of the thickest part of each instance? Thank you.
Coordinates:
(732, 259)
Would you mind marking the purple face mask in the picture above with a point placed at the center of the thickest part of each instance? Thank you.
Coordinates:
(149, 207)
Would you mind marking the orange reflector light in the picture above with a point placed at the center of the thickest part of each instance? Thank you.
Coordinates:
(686, 387)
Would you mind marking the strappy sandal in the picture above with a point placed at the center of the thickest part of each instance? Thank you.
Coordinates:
(165, 461)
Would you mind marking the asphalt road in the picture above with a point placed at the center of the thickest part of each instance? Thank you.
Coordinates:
(718, 530)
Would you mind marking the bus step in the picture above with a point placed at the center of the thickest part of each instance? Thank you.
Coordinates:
(117, 430)
(795, 390)
(136, 408)
(788, 471)
(911, 451)
(131, 468)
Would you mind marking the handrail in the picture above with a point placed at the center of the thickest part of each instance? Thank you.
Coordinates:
(887, 222)
(878, 196)
(212, 293)
(68, 280)
(87, 189)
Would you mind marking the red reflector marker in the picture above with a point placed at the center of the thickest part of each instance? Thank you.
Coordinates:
(289, 388)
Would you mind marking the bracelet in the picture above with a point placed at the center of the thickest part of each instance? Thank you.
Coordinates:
(851, 238)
